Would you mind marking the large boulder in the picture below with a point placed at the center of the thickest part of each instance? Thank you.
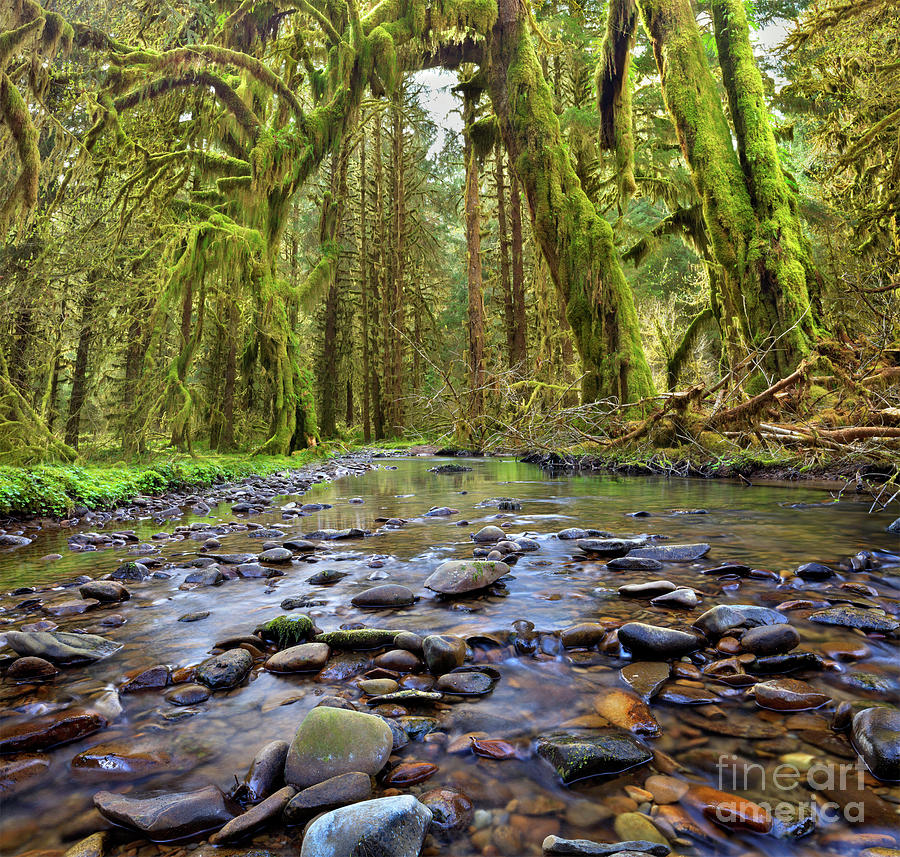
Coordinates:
(458, 576)
(166, 816)
(388, 826)
(332, 741)
(61, 647)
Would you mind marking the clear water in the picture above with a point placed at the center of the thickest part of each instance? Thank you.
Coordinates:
(774, 528)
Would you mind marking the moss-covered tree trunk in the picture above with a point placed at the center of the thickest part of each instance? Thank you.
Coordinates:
(576, 241)
(519, 352)
(753, 230)
(475, 314)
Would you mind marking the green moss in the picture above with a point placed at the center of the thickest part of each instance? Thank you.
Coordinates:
(288, 631)
(358, 639)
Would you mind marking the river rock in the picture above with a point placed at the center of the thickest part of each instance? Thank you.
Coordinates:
(358, 639)
(719, 620)
(458, 576)
(787, 694)
(105, 591)
(588, 848)
(69, 608)
(167, 816)
(226, 670)
(255, 571)
(61, 647)
(187, 694)
(8, 540)
(31, 669)
(649, 589)
(254, 818)
(131, 571)
(337, 791)
(276, 555)
(583, 635)
(18, 772)
(646, 677)
(634, 563)
(894, 527)
(489, 534)
(465, 683)
(443, 652)
(152, 678)
(645, 640)
(332, 741)
(683, 598)
(387, 595)
(770, 639)
(51, 730)
(387, 827)
(123, 760)
(728, 810)
(626, 710)
(609, 547)
(598, 753)
(307, 657)
(451, 811)
(848, 616)
(671, 553)
(876, 736)
(815, 571)
(265, 775)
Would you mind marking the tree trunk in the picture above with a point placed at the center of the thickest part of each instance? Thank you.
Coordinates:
(79, 372)
(226, 441)
(520, 330)
(576, 241)
(750, 217)
(379, 284)
(475, 317)
(394, 316)
(364, 290)
(509, 319)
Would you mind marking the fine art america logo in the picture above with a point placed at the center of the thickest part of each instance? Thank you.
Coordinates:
(824, 779)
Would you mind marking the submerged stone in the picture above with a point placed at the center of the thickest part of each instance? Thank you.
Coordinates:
(599, 753)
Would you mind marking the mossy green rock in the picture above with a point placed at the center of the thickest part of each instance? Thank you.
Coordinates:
(600, 753)
(358, 639)
(333, 741)
(458, 576)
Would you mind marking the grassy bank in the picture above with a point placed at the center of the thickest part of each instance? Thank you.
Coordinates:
(57, 489)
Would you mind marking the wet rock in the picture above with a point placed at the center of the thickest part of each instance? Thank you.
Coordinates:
(728, 810)
(266, 773)
(634, 563)
(31, 669)
(19, 772)
(255, 571)
(187, 694)
(847, 616)
(645, 640)
(649, 589)
(876, 736)
(163, 817)
(407, 698)
(388, 595)
(626, 710)
(775, 664)
(194, 617)
(894, 527)
(307, 657)
(60, 647)
(646, 677)
(105, 591)
(209, 576)
(253, 819)
(11, 541)
(276, 555)
(677, 694)
(299, 546)
(465, 683)
(330, 535)
(456, 577)
(672, 553)
(489, 534)
(815, 571)
(69, 608)
(441, 512)
(683, 598)
(602, 752)
(287, 630)
(358, 639)
(719, 620)
(326, 577)
(388, 827)
(588, 848)
(226, 670)
(770, 639)
(785, 694)
(582, 636)
(152, 678)
(233, 558)
(636, 827)
(378, 686)
(398, 660)
(410, 773)
(335, 792)
(123, 760)
(41, 733)
(136, 571)
(665, 789)
(452, 811)
(332, 741)
(609, 547)
(443, 652)
(572, 533)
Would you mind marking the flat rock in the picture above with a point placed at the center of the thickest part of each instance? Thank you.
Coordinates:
(671, 553)
(609, 547)
(634, 563)
(337, 791)
(30, 669)
(556, 845)
(167, 816)
(387, 595)
(123, 760)
(646, 677)
(61, 647)
(386, 827)
(187, 694)
(254, 818)
(626, 710)
(648, 589)
(598, 753)
(105, 591)
(876, 736)
(787, 694)
(332, 741)
(51, 730)
(458, 576)
(848, 616)
(719, 620)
